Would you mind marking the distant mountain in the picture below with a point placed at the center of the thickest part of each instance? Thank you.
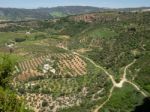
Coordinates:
(43, 13)
(55, 12)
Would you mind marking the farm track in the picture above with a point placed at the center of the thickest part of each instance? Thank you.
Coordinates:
(107, 100)
(115, 84)
(72, 63)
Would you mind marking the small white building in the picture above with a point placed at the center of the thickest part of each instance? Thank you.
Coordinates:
(53, 71)
(28, 33)
(47, 68)
(10, 45)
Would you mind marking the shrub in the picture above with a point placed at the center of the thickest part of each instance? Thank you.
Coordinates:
(19, 39)
(44, 103)
(21, 90)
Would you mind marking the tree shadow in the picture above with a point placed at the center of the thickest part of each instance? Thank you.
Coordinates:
(145, 107)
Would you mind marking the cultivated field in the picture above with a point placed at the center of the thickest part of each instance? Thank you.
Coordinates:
(66, 65)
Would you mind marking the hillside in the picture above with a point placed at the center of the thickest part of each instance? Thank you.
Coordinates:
(94, 62)
(43, 13)
(55, 12)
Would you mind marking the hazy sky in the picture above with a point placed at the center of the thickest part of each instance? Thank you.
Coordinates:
(53, 3)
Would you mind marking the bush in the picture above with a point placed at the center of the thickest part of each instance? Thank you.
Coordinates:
(40, 36)
(44, 103)
(6, 69)
(19, 39)
(9, 102)
(21, 90)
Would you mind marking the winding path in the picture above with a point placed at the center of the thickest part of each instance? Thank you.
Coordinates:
(109, 96)
(115, 84)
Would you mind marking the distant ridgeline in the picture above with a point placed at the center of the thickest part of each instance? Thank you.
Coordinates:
(43, 13)
(56, 12)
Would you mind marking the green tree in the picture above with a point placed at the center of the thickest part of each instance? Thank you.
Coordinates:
(6, 69)
(9, 101)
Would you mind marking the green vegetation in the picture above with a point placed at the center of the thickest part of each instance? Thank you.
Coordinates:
(100, 33)
(123, 100)
(57, 14)
(6, 69)
(9, 101)
(112, 40)
(43, 13)
(141, 71)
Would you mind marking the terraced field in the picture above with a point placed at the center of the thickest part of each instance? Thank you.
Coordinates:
(66, 65)
(65, 89)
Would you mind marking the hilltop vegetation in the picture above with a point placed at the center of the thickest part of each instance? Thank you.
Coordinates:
(43, 13)
(55, 12)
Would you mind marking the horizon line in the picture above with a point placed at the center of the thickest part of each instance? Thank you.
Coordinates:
(78, 6)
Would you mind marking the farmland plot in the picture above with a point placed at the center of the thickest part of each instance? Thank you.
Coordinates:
(32, 64)
(55, 94)
(25, 75)
(63, 93)
(47, 103)
(65, 65)
(72, 65)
